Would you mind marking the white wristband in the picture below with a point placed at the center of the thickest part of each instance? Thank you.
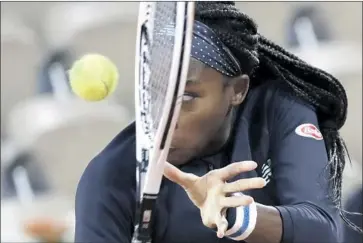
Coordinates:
(244, 224)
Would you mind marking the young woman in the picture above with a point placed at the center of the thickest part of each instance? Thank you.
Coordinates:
(246, 100)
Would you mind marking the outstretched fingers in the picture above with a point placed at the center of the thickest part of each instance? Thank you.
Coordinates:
(174, 174)
(235, 201)
(244, 184)
(234, 169)
(221, 223)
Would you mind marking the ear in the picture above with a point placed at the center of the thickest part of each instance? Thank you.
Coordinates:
(241, 85)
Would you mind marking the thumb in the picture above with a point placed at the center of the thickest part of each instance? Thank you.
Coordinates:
(222, 224)
(179, 177)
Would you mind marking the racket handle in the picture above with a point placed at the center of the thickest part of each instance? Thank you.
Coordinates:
(139, 239)
(143, 229)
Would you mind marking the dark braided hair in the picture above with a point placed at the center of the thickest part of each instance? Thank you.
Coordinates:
(263, 60)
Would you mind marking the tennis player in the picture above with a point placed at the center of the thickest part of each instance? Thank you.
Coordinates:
(246, 100)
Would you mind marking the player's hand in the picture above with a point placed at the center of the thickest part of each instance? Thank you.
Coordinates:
(211, 194)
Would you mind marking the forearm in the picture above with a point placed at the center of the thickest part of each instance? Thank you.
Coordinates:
(268, 227)
(305, 222)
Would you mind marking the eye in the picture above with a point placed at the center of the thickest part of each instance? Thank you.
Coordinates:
(188, 97)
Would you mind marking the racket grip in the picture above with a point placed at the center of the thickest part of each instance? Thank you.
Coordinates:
(136, 238)
(143, 230)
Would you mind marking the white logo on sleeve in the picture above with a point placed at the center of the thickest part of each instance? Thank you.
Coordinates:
(266, 171)
(309, 130)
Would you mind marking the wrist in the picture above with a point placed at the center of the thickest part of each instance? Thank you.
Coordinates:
(241, 221)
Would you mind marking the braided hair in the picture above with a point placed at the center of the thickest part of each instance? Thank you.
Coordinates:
(263, 60)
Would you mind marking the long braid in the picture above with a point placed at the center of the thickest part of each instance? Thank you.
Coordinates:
(263, 60)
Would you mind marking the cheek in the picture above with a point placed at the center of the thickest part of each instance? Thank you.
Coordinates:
(198, 126)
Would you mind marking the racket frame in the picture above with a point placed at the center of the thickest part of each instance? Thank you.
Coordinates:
(173, 100)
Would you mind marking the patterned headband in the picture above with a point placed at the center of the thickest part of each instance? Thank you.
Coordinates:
(210, 50)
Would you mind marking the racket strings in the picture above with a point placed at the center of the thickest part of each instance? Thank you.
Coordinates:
(161, 51)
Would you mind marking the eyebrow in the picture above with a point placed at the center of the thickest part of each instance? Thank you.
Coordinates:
(193, 75)
(191, 81)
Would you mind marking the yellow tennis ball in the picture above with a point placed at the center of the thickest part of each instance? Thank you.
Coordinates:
(93, 77)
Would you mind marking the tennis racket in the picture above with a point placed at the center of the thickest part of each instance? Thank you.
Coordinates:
(164, 38)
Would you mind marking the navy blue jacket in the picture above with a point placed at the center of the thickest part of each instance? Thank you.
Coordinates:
(268, 131)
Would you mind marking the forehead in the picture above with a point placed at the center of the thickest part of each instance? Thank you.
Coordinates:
(200, 72)
(196, 68)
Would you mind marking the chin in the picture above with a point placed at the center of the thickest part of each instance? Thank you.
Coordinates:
(178, 156)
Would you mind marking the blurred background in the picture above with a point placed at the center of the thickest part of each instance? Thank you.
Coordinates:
(48, 136)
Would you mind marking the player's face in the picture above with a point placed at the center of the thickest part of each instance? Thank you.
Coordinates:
(205, 119)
